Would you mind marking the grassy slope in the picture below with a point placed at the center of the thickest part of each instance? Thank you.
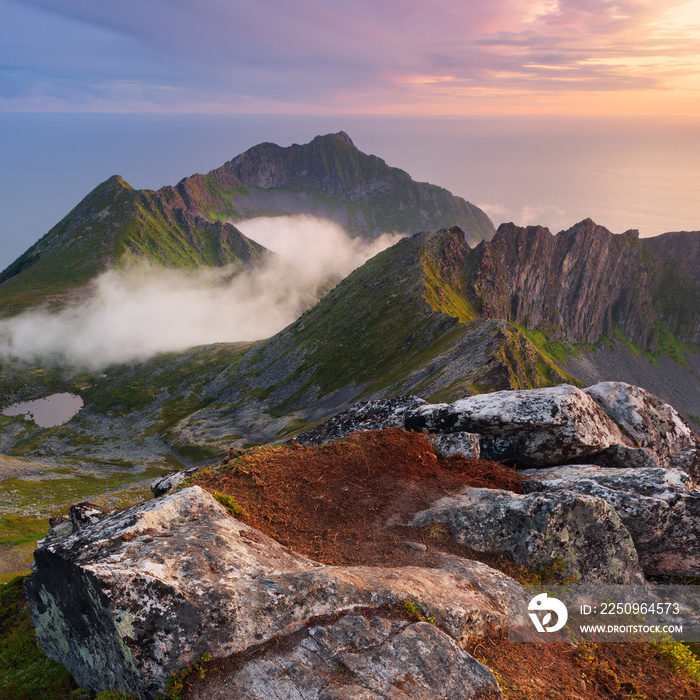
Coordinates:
(113, 225)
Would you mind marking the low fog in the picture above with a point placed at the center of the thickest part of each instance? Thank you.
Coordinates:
(134, 314)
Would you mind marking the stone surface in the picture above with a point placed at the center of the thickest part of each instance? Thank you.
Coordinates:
(650, 424)
(359, 657)
(124, 601)
(460, 443)
(60, 526)
(659, 507)
(169, 482)
(364, 415)
(85, 513)
(538, 427)
(581, 532)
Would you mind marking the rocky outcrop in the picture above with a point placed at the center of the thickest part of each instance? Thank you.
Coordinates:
(170, 482)
(610, 424)
(456, 444)
(659, 507)
(359, 657)
(582, 535)
(657, 430)
(364, 415)
(529, 428)
(124, 601)
(85, 513)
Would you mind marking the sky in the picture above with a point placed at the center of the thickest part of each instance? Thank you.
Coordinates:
(419, 57)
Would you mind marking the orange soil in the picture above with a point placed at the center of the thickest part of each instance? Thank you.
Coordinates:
(620, 671)
(347, 502)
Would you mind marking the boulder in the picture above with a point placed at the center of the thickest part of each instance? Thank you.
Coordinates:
(460, 443)
(123, 602)
(650, 424)
(580, 533)
(659, 507)
(358, 657)
(83, 514)
(364, 415)
(538, 427)
(169, 482)
(59, 526)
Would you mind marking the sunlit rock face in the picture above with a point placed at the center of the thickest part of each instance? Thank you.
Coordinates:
(579, 283)
(124, 601)
(653, 426)
(536, 427)
(359, 657)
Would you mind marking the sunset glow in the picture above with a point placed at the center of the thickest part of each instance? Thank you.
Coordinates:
(391, 56)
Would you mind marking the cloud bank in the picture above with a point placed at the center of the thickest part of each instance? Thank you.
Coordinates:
(135, 314)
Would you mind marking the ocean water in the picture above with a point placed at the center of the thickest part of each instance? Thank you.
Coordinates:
(641, 173)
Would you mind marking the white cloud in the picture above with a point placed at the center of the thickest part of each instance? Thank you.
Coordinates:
(135, 314)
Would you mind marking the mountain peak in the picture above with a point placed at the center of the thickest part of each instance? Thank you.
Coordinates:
(340, 137)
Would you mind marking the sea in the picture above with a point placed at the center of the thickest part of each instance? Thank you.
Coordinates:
(623, 172)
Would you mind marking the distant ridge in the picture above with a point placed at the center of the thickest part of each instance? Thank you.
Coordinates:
(188, 225)
(331, 178)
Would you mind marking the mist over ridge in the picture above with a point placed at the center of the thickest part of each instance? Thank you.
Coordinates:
(144, 309)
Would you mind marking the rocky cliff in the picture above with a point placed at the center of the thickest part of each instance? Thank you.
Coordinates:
(584, 283)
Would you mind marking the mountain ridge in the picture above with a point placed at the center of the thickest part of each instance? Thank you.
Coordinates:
(328, 177)
(189, 225)
(111, 226)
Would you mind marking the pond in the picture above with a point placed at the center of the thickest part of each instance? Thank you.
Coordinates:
(47, 412)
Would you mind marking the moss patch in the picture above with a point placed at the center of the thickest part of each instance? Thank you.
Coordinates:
(26, 673)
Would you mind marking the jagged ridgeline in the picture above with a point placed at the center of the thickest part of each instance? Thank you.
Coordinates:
(189, 225)
(435, 317)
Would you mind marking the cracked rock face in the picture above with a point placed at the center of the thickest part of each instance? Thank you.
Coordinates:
(650, 424)
(659, 507)
(123, 602)
(582, 532)
(530, 428)
(359, 657)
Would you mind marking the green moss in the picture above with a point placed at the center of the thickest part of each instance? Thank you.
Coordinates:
(667, 344)
(228, 502)
(681, 657)
(442, 295)
(555, 349)
(55, 495)
(197, 453)
(26, 673)
(415, 613)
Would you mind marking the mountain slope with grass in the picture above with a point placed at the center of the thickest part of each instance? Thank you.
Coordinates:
(330, 178)
(189, 225)
(116, 225)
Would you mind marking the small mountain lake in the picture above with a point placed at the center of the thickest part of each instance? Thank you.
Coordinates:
(47, 412)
